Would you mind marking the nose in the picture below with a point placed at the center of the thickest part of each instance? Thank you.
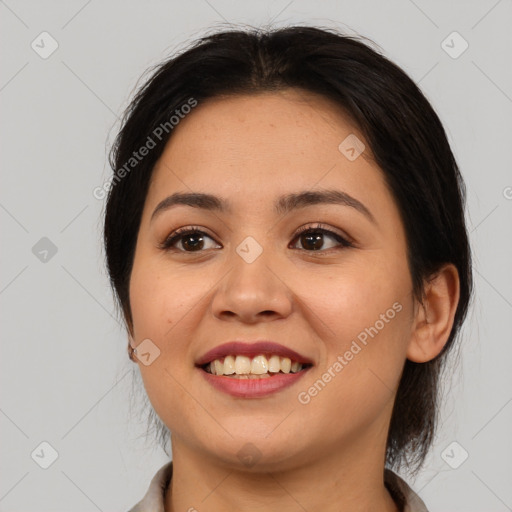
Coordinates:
(252, 292)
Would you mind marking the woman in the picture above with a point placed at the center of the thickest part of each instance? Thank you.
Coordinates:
(285, 236)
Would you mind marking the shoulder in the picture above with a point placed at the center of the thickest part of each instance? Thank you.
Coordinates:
(154, 498)
(405, 497)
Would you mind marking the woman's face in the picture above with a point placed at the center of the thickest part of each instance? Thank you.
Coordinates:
(247, 274)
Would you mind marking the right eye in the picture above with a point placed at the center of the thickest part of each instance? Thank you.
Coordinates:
(187, 240)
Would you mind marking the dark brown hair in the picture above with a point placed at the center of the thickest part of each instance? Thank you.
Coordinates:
(404, 134)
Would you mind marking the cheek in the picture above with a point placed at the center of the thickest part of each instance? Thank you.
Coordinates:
(363, 317)
(343, 301)
(165, 307)
(161, 301)
(362, 369)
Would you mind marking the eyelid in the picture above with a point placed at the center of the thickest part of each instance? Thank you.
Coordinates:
(319, 226)
(342, 238)
(180, 232)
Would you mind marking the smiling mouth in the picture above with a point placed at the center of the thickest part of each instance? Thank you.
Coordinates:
(259, 367)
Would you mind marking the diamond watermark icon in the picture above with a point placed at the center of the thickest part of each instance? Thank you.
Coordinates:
(454, 45)
(249, 454)
(44, 455)
(351, 147)
(44, 250)
(44, 45)
(146, 352)
(454, 455)
(249, 250)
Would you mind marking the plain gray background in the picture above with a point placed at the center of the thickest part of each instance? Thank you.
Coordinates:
(65, 375)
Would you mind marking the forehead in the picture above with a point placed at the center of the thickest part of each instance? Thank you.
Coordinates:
(269, 144)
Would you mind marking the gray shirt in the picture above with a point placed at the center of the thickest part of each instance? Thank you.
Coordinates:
(406, 499)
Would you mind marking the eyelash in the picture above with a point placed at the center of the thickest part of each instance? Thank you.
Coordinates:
(180, 233)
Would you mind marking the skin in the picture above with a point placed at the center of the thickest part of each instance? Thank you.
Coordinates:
(328, 454)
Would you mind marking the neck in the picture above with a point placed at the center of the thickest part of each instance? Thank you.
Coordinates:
(351, 481)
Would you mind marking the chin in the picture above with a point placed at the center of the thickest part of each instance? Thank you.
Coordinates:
(249, 450)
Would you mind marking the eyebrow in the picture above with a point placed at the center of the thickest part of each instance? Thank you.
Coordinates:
(283, 205)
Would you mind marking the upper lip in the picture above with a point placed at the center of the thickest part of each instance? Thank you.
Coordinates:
(240, 348)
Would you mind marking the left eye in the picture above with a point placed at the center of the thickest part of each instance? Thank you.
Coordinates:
(312, 239)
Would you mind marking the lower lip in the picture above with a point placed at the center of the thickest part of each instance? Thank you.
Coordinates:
(253, 388)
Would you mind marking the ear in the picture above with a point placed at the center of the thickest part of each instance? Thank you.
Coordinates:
(131, 348)
(434, 316)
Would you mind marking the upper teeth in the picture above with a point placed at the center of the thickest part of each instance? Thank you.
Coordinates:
(259, 365)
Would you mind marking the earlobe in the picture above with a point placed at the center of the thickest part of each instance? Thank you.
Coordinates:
(131, 348)
(434, 317)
